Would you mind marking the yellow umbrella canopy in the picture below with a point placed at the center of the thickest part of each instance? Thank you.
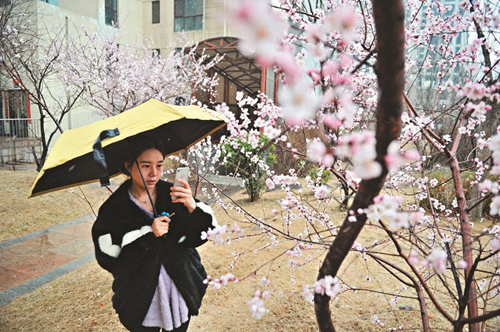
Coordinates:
(71, 159)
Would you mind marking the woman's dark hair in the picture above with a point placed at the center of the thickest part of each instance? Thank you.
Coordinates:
(136, 146)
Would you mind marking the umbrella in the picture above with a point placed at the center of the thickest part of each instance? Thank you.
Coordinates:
(71, 160)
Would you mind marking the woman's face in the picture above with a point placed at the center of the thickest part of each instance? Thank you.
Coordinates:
(151, 165)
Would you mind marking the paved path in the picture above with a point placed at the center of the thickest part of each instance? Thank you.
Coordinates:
(33, 260)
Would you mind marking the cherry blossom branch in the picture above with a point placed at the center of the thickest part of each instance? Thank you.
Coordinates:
(418, 275)
(414, 284)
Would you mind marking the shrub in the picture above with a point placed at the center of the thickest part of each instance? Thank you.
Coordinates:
(250, 162)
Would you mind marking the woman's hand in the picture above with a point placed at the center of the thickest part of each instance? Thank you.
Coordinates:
(160, 225)
(184, 196)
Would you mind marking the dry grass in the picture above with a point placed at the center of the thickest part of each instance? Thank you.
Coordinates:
(81, 300)
(20, 215)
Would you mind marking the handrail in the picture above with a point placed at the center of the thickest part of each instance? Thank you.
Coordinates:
(20, 128)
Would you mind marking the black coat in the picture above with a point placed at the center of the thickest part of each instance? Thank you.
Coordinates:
(126, 247)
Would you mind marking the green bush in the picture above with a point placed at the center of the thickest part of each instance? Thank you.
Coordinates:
(322, 174)
(240, 155)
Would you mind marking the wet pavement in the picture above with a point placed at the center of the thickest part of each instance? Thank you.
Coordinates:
(33, 260)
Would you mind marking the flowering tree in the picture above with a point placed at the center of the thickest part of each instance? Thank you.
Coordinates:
(342, 67)
(59, 71)
(29, 56)
(117, 77)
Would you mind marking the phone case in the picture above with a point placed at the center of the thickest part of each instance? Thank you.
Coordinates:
(181, 173)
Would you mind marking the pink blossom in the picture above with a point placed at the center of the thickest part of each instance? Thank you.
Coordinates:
(331, 69)
(285, 204)
(361, 147)
(495, 206)
(327, 286)
(322, 192)
(218, 283)
(315, 34)
(270, 184)
(488, 185)
(315, 75)
(327, 160)
(317, 51)
(437, 259)
(462, 264)
(474, 90)
(315, 151)
(271, 132)
(332, 121)
(307, 294)
(264, 282)
(287, 63)
(413, 257)
(237, 230)
(343, 20)
(215, 234)
(296, 252)
(396, 157)
(256, 307)
(299, 102)
(495, 244)
(368, 169)
(261, 28)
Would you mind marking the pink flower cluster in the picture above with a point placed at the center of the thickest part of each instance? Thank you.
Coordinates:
(361, 147)
(328, 285)
(261, 28)
(256, 304)
(386, 207)
(218, 283)
(284, 180)
(494, 145)
(396, 157)
(437, 259)
(221, 235)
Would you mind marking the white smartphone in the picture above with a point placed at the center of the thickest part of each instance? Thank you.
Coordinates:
(181, 173)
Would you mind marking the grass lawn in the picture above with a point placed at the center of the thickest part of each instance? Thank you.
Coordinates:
(81, 300)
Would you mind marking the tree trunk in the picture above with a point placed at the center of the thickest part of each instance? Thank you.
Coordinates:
(465, 230)
(389, 24)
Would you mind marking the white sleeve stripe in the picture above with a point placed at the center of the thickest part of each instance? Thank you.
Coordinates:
(135, 234)
(207, 209)
(106, 245)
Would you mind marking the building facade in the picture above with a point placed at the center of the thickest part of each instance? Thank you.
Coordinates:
(169, 24)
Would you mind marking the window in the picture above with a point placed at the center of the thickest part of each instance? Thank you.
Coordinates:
(111, 12)
(188, 15)
(52, 2)
(155, 6)
(15, 115)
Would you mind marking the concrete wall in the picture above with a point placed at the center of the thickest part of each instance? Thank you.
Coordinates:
(14, 150)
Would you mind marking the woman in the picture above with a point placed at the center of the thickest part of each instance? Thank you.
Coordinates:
(158, 275)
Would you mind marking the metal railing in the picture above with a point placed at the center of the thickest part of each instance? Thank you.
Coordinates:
(20, 128)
